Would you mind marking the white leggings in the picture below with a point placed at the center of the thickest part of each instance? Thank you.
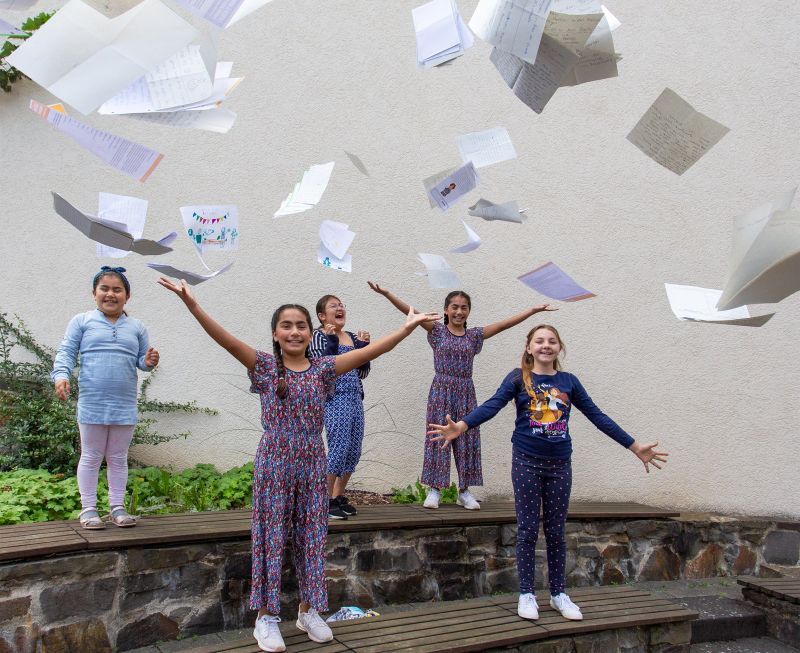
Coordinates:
(109, 441)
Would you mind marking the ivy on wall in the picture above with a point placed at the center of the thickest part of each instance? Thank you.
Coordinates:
(9, 74)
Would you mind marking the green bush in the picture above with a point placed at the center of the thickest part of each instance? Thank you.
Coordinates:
(34, 495)
(37, 430)
(416, 493)
(9, 74)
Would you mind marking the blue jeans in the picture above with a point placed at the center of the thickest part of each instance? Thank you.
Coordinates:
(544, 482)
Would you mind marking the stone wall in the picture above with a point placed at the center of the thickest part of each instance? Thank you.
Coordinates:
(133, 597)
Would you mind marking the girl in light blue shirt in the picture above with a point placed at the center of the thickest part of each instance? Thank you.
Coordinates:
(111, 346)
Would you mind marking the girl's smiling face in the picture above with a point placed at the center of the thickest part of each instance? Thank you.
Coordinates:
(457, 310)
(544, 346)
(110, 295)
(292, 332)
(335, 313)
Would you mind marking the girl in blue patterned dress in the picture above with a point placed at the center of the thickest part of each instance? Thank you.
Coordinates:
(453, 392)
(289, 490)
(344, 411)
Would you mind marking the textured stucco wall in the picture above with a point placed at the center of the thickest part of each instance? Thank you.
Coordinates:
(322, 77)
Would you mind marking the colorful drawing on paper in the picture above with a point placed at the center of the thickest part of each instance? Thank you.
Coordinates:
(213, 227)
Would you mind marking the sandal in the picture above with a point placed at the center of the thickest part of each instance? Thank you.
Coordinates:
(120, 517)
(90, 520)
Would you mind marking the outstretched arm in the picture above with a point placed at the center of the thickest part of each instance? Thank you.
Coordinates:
(357, 357)
(502, 325)
(398, 303)
(648, 455)
(241, 351)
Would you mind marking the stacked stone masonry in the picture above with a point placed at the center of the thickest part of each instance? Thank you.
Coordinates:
(131, 598)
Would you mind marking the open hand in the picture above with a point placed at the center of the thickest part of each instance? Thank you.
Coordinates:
(363, 336)
(447, 432)
(648, 455)
(542, 307)
(377, 288)
(181, 289)
(415, 319)
(151, 358)
(62, 389)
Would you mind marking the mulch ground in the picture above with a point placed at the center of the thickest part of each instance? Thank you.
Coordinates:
(364, 498)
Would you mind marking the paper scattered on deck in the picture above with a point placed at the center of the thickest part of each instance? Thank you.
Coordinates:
(551, 281)
(441, 33)
(473, 241)
(108, 233)
(769, 271)
(439, 273)
(513, 26)
(308, 191)
(212, 228)
(134, 160)
(334, 241)
(673, 134)
(357, 162)
(691, 303)
(130, 212)
(222, 13)
(84, 58)
(508, 212)
(191, 278)
(449, 190)
(487, 147)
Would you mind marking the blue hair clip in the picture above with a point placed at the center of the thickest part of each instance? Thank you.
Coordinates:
(108, 268)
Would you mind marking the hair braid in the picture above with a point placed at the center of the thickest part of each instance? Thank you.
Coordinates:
(283, 387)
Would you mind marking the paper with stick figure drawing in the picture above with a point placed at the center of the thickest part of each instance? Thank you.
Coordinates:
(212, 227)
(551, 281)
(453, 187)
(334, 240)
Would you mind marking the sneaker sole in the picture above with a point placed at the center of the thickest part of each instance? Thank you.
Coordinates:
(310, 636)
(461, 503)
(522, 616)
(264, 647)
(565, 616)
(430, 507)
(337, 517)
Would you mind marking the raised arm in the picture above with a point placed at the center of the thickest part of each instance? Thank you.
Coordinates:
(357, 357)
(514, 320)
(241, 351)
(398, 303)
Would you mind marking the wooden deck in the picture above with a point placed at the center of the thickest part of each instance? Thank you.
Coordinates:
(27, 541)
(478, 624)
(785, 589)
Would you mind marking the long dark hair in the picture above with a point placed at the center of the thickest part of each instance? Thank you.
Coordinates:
(450, 297)
(283, 387)
(322, 302)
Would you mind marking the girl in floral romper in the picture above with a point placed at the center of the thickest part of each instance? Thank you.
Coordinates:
(289, 488)
(453, 392)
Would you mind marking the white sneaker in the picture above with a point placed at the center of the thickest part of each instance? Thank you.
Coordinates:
(310, 622)
(432, 500)
(566, 607)
(527, 608)
(466, 499)
(268, 635)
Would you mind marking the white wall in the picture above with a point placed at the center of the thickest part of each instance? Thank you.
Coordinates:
(322, 77)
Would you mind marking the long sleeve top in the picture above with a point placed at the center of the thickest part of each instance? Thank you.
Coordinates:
(110, 353)
(541, 427)
(325, 345)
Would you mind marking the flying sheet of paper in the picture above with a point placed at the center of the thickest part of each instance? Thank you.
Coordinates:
(308, 191)
(514, 26)
(358, 163)
(452, 188)
(673, 134)
(597, 60)
(104, 232)
(770, 269)
(84, 58)
(177, 81)
(434, 179)
(571, 22)
(192, 278)
(613, 23)
(535, 84)
(440, 32)
(214, 120)
(336, 237)
(212, 227)
(223, 87)
(473, 241)
(487, 147)
(130, 212)
(551, 281)
(222, 13)
(508, 212)
(691, 303)
(327, 258)
(439, 272)
(134, 160)
(8, 28)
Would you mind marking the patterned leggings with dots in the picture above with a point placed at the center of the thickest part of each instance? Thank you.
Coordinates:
(544, 482)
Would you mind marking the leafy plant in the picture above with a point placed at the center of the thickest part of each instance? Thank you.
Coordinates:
(416, 493)
(9, 74)
(37, 430)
